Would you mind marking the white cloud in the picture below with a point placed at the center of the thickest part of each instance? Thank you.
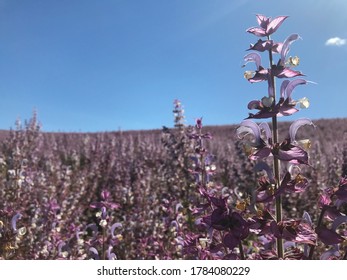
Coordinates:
(336, 41)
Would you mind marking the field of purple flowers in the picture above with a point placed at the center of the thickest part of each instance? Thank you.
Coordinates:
(133, 195)
(188, 192)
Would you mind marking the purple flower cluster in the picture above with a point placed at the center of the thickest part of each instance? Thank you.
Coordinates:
(287, 157)
(250, 224)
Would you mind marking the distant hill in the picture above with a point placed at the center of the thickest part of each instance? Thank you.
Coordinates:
(320, 122)
(327, 130)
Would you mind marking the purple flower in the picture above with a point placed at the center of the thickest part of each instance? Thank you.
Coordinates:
(267, 26)
(265, 190)
(283, 69)
(110, 255)
(298, 184)
(60, 245)
(285, 47)
(94, 253)
(105, 195)
(298, 231)
(286, 106)
(198, 123)
(93, 228)
(237, 227)
(198, 135)
(14, 220)
(258, 148)
(190, 243)
(287, 151)
(114, 227)
(266, 45)
(324, 199)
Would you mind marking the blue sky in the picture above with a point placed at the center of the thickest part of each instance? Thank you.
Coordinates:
(105, 65)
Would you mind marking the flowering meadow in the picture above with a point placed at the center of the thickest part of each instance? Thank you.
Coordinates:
(262, 189)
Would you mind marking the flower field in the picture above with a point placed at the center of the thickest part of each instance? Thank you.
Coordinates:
(132, 195)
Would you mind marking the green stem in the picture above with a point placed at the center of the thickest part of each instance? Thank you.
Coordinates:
(276, 163)
(280, 250)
